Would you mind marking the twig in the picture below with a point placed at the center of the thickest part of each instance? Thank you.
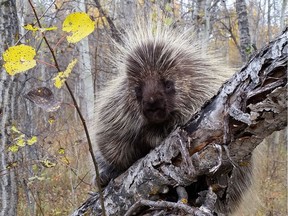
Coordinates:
(34, 23)
(115, 32)
(81, 179)
(78, 111)
(32, 194)
(160, 204)
(59, 41)
(46, 63)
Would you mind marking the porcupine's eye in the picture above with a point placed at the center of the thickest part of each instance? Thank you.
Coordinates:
(169, 87)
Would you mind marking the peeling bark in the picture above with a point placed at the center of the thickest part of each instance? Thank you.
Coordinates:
(219, 138)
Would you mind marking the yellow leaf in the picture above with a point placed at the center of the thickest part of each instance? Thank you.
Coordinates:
(41, 178)
(51, 120)
(168, 7)
(19, 58)
(35, 168)
(32, 140)
(14, 129)
(154, 16)
(13, 148)
(168, 21)
(12, 164)
(65, 160)
(31, 28)
(36, 178)
(184, 201)
(48, 29)
(79, 24)
(32, 178)
(58, 212)
(21, 142)
(21, 136)
(62, 76)
(48, 164)
(141, 2)
(61, 151)
(59, 80)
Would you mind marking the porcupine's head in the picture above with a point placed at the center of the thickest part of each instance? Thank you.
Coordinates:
(154, 90)
(167, 75)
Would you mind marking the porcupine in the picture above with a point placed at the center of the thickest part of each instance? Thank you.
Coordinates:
(163, 78)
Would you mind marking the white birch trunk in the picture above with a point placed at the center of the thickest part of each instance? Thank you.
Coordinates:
(282, 16)
(269, 19)
(86, 89)
(207, 24)
(244, 35)
(8, 112)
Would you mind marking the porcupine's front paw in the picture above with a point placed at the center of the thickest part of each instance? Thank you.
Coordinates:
(106, 171)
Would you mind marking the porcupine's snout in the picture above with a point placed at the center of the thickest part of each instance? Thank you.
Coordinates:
(154, 108)
(154, 101)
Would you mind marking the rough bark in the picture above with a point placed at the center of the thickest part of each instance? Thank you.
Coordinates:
(8, 111)
(243, 26)
(219, 138)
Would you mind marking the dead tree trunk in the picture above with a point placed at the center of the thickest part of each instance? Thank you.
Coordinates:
(219, 138)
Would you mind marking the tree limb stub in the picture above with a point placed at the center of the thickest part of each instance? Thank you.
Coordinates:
(248, 108)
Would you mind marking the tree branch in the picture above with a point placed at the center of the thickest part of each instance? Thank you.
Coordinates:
(115, 33)
(248, 108)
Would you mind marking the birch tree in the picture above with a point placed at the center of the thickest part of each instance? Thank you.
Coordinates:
(8, 111)
(86, 90)
(243, 25)
(283, 13)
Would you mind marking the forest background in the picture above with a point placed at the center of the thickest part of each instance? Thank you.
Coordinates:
(53, 175)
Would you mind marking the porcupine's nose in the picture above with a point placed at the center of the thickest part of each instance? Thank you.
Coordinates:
(153, 104)
(154, 109)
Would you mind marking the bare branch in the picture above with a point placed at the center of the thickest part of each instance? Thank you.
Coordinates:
(114, 30)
